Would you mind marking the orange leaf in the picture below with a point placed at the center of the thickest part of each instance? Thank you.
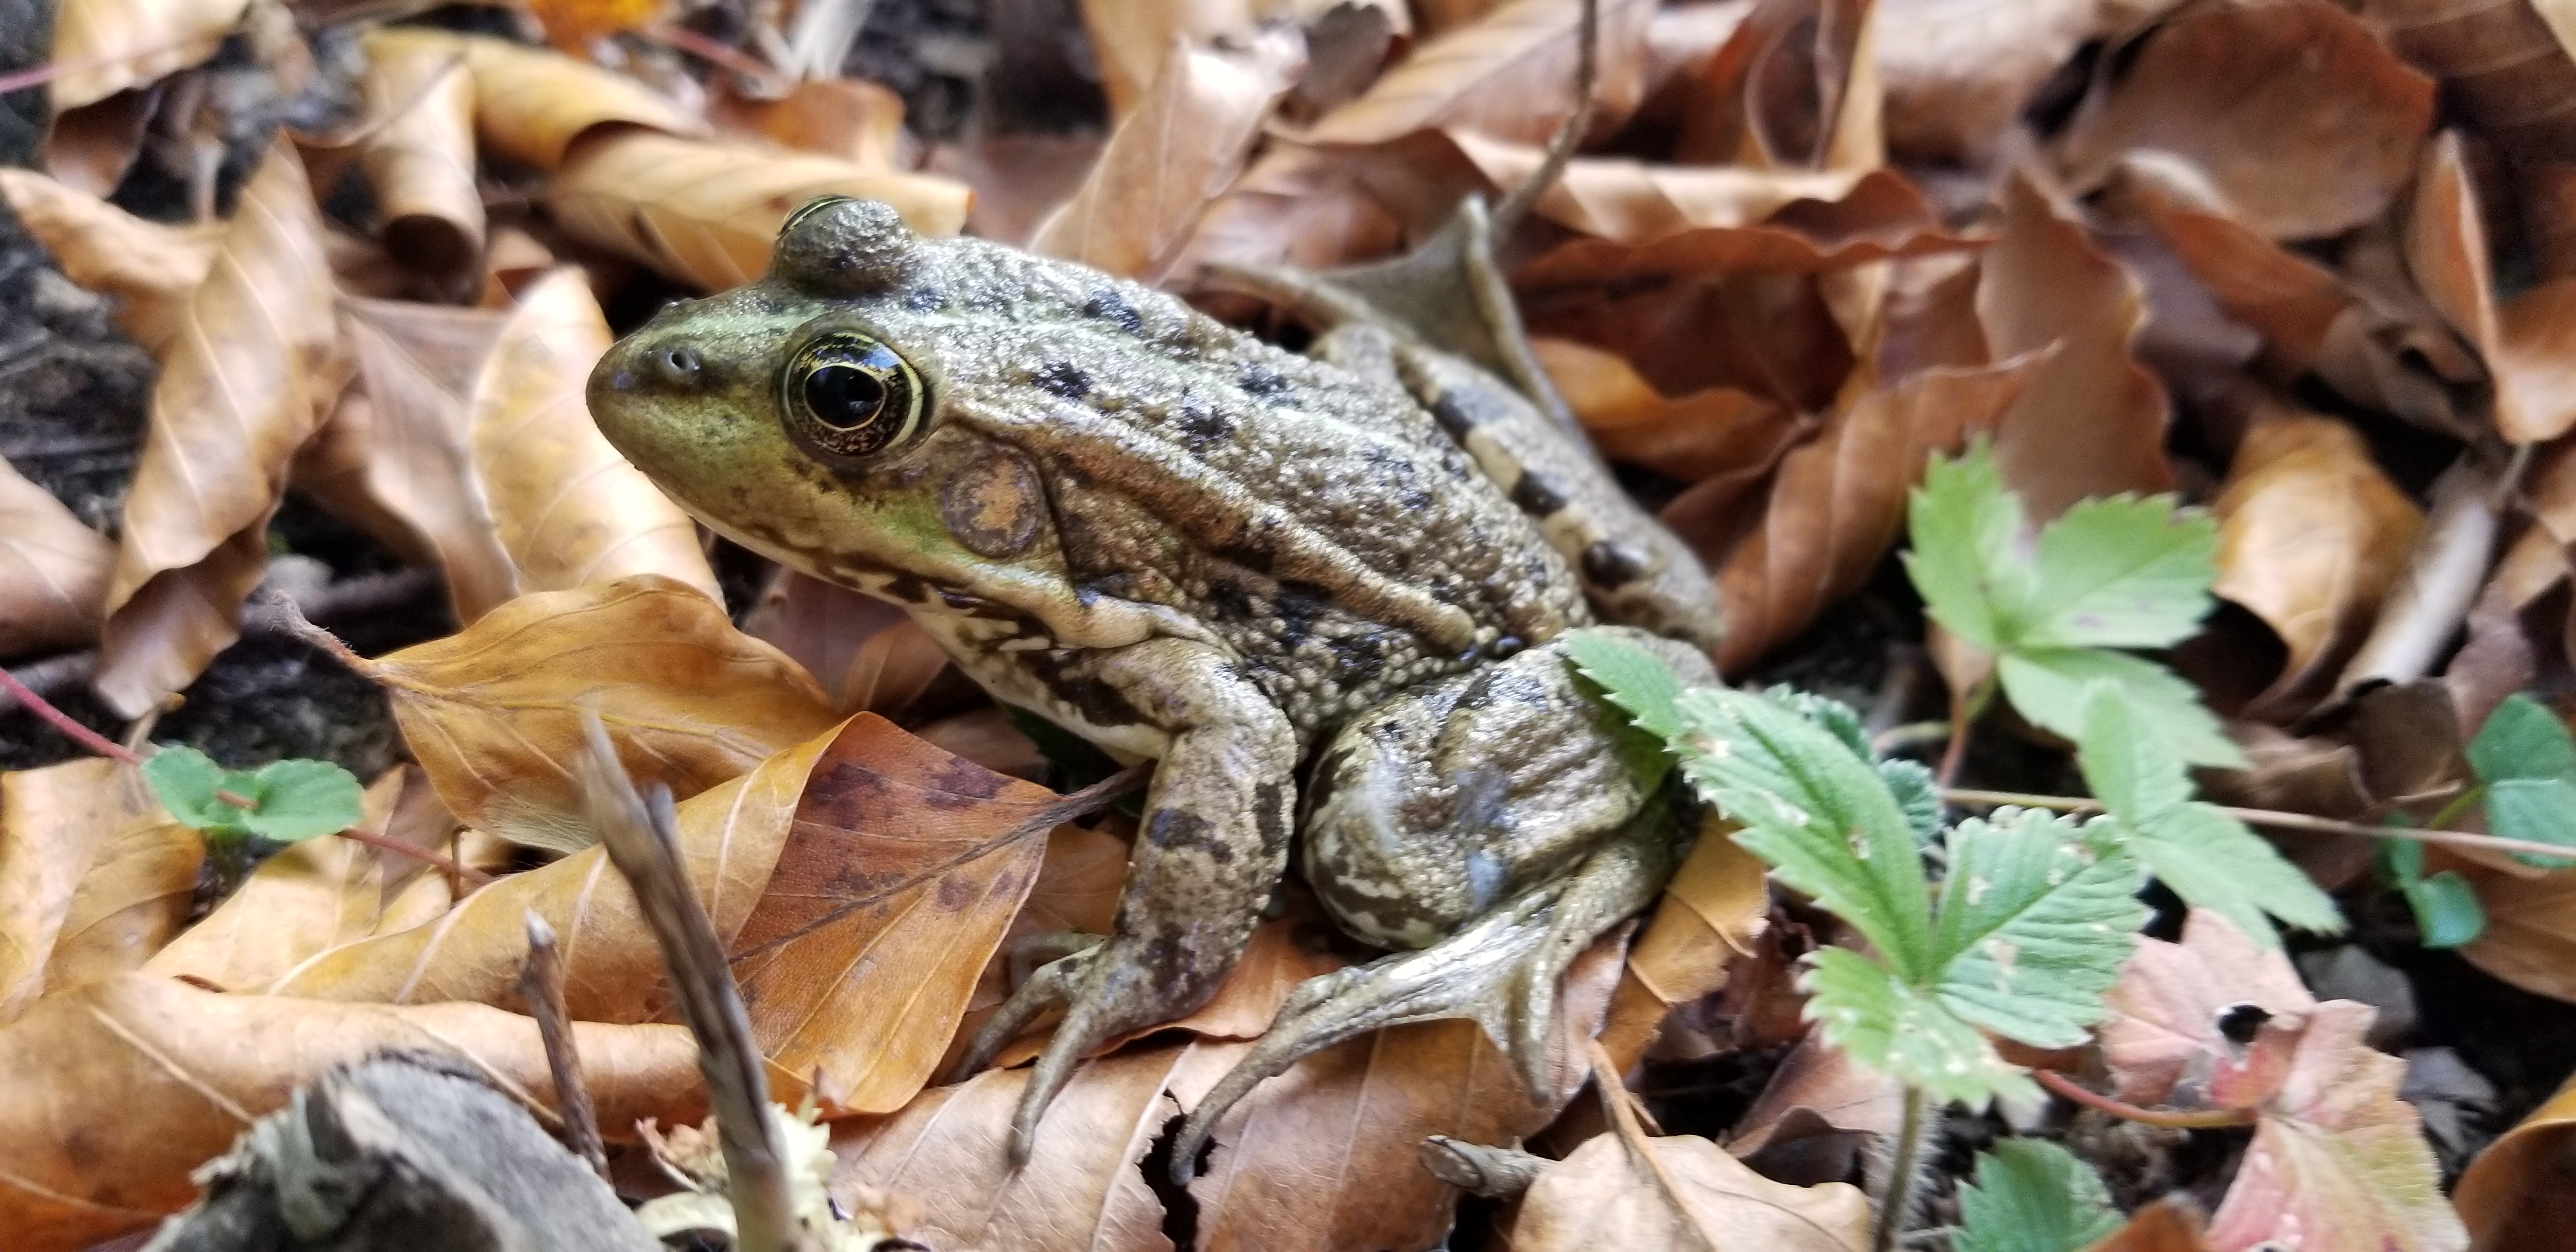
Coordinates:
(705, 214)
(1959, 72)
(57, 824)
(2292, 301)
(2171, 1224)
(1317, 208)
(571, 25)
(568, 508)
(1132, 40)
(146, 1078)
(2303, 120)
(149, 267)
(1710, 912)
(2527, 342)
(2530, 939)
(1508, 74)
(242, 387)
(53, 570)
(493, 711)
(531, 104)
(1721, 431)
(2521, 1191)
(1816, 1091)
(852, 119)
(106, 46)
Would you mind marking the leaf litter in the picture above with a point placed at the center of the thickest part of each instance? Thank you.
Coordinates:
(1824, 280)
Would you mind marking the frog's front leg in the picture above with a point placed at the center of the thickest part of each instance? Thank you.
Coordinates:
(1212, 846)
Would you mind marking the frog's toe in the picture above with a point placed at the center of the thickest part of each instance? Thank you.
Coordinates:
(1050, 986)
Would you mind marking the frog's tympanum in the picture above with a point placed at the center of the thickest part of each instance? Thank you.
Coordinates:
(1319, 589)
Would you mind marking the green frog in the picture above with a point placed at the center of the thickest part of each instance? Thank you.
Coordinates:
(1322, 591)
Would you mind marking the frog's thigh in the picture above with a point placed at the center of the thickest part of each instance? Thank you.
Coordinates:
(1429, 810)
(1361, 348)
(1633, 570)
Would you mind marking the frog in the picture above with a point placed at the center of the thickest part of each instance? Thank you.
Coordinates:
(1325, 593)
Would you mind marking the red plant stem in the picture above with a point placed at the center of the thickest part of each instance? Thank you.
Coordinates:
(63, 722)
(437, 861)
(2173, 1119)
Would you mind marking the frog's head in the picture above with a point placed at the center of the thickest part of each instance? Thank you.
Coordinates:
(802, 416)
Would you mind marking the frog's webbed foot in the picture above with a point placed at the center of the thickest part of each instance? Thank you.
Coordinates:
(1502, 971)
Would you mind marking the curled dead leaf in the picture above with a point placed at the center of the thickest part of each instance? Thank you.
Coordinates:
(1508, 74)
(148, 1077)
(1689, 439)
(1681, 1191)
(419, 155)
(2527, 342)
(530, 104)
(151, 268)
(2521, 1191)
(1959, 72)
(1709, 913)
(53, 569)
(569, 510)
(2291, 301)
(706, 213)
(242, 386)
(57, 824)
(107, 46)
(2530, 938)
(2506, 66)
(1133, 42)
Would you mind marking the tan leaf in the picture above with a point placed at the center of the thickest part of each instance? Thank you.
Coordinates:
(866, 652)
(1838, 502)
(706, 213)
(1688, 438)
(147, 1078)
(530, 104)
(2521, 1191)
(1133, 39)
(133, 898)
(493, 711)
(1508, 74)
(1817, 1092)
(1628, 1190)
(1796, 87)
(1317, 208)
(242, 387)
(56, 823)
(2506, 66)
(1170, 157)
(2525, 343)
(393, 458)
(2530, 939)
(1081, 1190)
(419, 155)
(1958, 72)
(1710, 912)
(2311, 535)
(2291, 301)
(53, 569)
(151, 268)
(2304, 121)
(2092, 421)
(107, 46)
(569, 510)
(855, 120)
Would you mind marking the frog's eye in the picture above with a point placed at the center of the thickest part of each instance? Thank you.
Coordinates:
(848, 395)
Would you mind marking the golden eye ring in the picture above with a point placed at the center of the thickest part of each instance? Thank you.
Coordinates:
(846, 394)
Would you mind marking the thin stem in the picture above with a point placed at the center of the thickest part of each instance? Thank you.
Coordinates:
(1569, 133)
(450, 866)
(2171, 1119)
(2282, 821)
(1964, 706)
(1894, 1206)
(2459, 804)
(63, 722)
(541, 985)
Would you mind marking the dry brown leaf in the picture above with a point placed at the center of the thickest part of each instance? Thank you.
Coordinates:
(242, 386)
(2092, 422)
(569, 510)
(706, 213)
(149, 267)
(1709, 913)
(2310, 536)
(1081, 1190)
(1170, 157)
(2304, 122)
(1132, 40)
(850, 118)
(56, 823)
(2530, 939)
(1770, 334)
(1687, 438)
(1958, 72)
(1318, 208)
(394, 458)
(1820, 1104)
(107, 46)
(1796, 87)
(1838, 501)
(1509, 75)
(147, 1078)
(2521, 1191)
(313, 896)
(493, 711)
(2291, 301)
(530, 104)
(419, 156)
(2507, 66)
(2171, 1224)
(53, 569)
(865, 651)
(2528, 344)
(1628, 1190)
(133, 898)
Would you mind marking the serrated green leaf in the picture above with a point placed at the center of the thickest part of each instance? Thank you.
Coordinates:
(2033, 1196)
(1918, 797)
(2524, 756)
(186, 780)
(2209, 859)
(1887, 1026)
(302, 799)
(2447, 912)
(2120, 573)
(1818, 813)
(2036, 917)
(2053, 688)
(1965, 541)
(1633, 678)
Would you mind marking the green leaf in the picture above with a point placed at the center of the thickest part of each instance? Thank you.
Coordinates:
(2525, 758)
(2053, 688)
(2446, 908)
(1817, 812)
(186, 780)
(1865, 1010)
(2209, 859)
(2033, 1196)
(301, 799)
(1917, 795)
(2120, 573)
(1635, 680)
(1966, 553)
(2036, 917)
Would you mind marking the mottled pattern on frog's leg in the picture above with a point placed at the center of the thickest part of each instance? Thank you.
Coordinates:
(1502, 971)
(1634, 571)
(1213, 843)
(1364, 350)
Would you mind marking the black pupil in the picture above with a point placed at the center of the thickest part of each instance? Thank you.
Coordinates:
(844, 396)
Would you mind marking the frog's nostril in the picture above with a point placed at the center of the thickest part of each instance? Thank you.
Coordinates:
(676, 366)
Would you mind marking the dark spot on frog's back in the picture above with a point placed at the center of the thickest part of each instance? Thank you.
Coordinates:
(961, 782)
(1106, 305)
(1462, 409)
(925, 300)
(1062, 378)
(1175, 828)
(1202, 426)
(1537, 496)
(1613, 564)
(1257, 379)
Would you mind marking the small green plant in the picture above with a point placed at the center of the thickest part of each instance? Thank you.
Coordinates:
(2110, 574)
(2526, 769)
(2031, 1195)
(285, 801)
(2446, 908)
